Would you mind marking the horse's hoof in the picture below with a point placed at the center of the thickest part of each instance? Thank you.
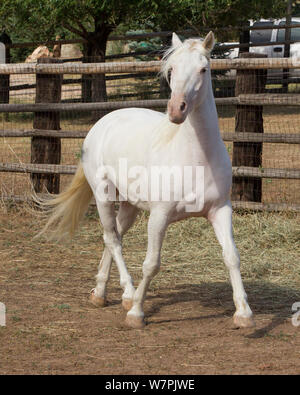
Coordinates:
(243, 322)
(135, 322)
(127, 304)
(97, 300)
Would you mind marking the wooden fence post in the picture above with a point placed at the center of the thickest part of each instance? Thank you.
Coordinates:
(164, 87)
(4, 79)
(287, 47)
(248, 119)
(245, 39)
(46, 149)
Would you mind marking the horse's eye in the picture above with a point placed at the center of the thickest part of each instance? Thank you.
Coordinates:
(203, 70)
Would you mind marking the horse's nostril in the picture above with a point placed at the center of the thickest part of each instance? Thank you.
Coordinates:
(182, 106)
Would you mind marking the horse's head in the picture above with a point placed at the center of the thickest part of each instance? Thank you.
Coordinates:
(188, 65)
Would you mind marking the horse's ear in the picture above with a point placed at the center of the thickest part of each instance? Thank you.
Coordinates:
(176, 42)
(209, 42)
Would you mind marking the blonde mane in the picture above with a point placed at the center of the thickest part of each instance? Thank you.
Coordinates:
(173, 52)
(164, 132)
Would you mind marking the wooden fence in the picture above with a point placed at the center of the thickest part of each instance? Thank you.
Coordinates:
(52, 105)
(140, 67)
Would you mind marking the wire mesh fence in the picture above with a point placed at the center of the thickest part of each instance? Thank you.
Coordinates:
(52, 106)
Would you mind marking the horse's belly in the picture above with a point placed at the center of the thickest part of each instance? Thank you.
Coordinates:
(210, 192)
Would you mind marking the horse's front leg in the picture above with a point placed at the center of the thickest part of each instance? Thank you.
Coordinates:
(157, 225)
(221, 220)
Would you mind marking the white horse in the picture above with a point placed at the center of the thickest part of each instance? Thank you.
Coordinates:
(187, 136)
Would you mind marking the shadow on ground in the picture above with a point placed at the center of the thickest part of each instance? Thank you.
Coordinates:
(264, 298)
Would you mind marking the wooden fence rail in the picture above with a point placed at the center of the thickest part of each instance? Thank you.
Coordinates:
(243, 99)
(151, 66)
(70, 81)
(237, 205)
(288, 138)
(70, 169)
(57, 107)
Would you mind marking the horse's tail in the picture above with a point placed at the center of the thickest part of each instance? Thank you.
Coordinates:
(67, 208)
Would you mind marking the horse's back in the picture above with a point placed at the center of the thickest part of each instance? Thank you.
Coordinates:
(125, 122)
(125, 133)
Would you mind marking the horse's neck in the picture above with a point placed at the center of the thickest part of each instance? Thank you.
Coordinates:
(204, 122)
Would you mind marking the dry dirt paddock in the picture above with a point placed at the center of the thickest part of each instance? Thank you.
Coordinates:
(52, 329)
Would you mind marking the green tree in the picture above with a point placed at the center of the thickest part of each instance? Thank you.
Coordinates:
(214, 14)
(91, 20)
(94, 20)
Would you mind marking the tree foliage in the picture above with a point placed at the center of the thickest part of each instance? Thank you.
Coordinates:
(197, 14)
(94, 20)
(43, 19)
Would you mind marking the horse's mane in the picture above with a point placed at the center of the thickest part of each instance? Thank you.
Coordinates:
(172, 53)
(164, 132)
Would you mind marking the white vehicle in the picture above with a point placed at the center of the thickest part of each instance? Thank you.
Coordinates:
(273, 36)
(2, 53)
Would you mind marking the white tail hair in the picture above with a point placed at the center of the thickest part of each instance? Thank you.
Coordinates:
(66, 209)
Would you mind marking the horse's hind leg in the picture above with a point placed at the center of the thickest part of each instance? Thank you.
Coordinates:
(222, 224)
(157, 225)
(98, 294)
(124, 220)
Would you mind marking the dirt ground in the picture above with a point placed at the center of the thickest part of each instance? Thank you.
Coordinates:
(51, 328)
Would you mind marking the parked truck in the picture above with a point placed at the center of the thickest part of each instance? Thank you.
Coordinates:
(275, 37)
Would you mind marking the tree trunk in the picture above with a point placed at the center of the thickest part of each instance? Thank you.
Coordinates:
(4, 79)
(94, 85)
(46, 149)
(244, 38)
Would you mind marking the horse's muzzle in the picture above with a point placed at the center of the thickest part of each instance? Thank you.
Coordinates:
(177, 109)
